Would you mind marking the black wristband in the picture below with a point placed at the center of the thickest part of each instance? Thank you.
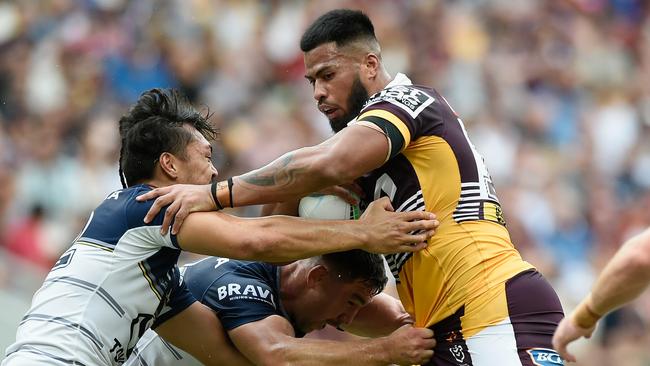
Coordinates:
(230, 183)
(213, 190)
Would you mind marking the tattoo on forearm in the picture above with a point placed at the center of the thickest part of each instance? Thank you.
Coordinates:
(278, 173)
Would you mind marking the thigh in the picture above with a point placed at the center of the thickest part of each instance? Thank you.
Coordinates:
(522, 338)
(534, 311)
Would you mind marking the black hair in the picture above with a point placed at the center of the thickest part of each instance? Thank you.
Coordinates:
(341, 26)
(154, 125)
(358, 265)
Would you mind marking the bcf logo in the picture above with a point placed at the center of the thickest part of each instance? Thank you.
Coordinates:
(545, 357)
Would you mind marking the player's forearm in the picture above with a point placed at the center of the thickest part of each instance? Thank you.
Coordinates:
(291, 176)
(624, 278)
(315, 352)
(284, 238)
(383, 315)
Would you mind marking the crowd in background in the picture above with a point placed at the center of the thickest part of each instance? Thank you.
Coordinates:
(555, 95)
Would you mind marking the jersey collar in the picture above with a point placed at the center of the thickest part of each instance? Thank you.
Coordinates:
(400, 79)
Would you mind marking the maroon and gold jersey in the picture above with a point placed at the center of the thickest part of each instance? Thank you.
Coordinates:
(433, 166)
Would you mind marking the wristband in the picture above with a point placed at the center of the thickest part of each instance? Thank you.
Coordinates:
(585, 317)
(230, 183)
(213, 191)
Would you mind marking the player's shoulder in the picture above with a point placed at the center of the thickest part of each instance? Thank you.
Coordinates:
(122, 202)
(214, 270)
(411, 99)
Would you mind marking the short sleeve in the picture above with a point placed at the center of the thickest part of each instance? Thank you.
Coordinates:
(180, 299)
(136, 211)
(396, 112)
(239, 299)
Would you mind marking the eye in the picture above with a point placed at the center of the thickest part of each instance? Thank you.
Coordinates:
(329, 76)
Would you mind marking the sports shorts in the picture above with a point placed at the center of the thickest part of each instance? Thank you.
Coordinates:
(522, 338)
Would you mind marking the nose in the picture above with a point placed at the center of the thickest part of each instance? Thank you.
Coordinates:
(320, 92)
(347, 317)
(215, 172)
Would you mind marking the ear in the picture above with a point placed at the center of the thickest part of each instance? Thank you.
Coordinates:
(317, 276)
(168, 165)
(370, 66)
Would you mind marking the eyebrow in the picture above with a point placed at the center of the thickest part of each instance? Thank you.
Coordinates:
(319, 72)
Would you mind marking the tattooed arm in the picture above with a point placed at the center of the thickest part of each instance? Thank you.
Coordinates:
(347, 155)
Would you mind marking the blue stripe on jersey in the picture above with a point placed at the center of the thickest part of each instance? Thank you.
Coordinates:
(136, 353)
(90, 287)
(34, 350)
(96, 243)
(117, 214)
(65, 322)
(159, 270)
(172, 350)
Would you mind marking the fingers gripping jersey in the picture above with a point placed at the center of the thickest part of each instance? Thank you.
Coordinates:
(433, 166)
(117, 279)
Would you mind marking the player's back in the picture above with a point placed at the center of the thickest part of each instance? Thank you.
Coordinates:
(104, 291)
(238, 291)
(434, 166)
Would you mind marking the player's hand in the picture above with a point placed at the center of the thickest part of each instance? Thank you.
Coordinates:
(394, 232)
(182, 199)
(410, 346)
(567, 332)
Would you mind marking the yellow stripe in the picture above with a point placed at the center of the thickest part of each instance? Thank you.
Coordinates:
(94, 246)
(401, 126)
(489, 211)
(153, 288)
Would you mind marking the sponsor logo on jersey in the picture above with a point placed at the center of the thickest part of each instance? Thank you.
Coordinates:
(545, 357)
(410, 99)
(235, 291)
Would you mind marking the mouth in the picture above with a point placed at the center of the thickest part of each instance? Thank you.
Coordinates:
(328, 111)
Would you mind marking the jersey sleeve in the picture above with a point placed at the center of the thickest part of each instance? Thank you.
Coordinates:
(238, 299)
(395, 111)
(180, 299)
(136, 211)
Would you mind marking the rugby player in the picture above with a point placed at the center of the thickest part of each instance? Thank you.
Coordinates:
(120, 277)
(623, 279)
(267, 309)
(486, 305)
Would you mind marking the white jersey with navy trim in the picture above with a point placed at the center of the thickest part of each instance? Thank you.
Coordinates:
(239, 292)
(118, 279)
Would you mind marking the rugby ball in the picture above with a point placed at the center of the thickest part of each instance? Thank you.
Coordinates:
(327, 207)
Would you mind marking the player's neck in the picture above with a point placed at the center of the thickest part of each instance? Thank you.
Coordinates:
(290, 286)
(382, 79)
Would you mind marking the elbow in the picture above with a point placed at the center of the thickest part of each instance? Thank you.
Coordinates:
(637, 259)
(277, 355)
(253, 249)
(264, 245)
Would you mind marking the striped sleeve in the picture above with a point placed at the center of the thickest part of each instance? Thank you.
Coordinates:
(397, 132)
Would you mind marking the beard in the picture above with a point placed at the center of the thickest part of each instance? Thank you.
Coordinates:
(357, 98)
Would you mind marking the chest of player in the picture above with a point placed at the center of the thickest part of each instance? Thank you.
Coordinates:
(397, 180)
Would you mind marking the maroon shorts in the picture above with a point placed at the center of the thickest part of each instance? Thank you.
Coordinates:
(522, 339)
